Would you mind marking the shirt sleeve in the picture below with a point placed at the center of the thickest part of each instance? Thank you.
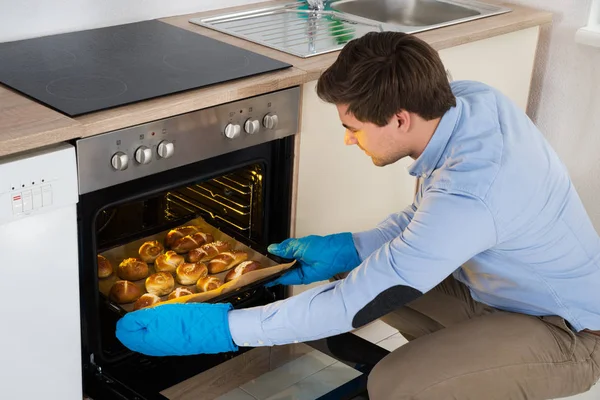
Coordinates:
(445, 232)
(367, 242)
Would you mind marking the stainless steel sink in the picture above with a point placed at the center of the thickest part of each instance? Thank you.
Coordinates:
(417, 13)
(295, 29)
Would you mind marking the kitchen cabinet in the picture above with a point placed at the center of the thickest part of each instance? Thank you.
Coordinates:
(338, 187)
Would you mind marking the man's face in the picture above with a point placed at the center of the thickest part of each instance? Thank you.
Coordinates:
(384, 144)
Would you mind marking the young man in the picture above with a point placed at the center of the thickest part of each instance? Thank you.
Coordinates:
(493, 274)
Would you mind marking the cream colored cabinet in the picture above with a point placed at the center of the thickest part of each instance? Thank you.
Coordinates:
(338, 187)
(504, 62)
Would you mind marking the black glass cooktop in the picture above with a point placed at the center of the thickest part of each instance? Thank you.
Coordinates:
(80, 72)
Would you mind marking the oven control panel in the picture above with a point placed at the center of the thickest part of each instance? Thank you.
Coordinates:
(127, 154)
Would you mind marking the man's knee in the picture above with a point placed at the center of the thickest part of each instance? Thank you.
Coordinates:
(391, 379)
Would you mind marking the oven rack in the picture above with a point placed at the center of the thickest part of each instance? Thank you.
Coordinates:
(231, 198)
(176, 200)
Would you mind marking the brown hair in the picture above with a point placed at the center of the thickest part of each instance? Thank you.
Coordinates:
(382, 73)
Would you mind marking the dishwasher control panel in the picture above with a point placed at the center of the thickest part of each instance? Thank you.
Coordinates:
(37, 181)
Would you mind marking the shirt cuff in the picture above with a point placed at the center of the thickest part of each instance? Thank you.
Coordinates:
(246, 329)
(367, 242)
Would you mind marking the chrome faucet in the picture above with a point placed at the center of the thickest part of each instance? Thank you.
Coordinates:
(316, 5)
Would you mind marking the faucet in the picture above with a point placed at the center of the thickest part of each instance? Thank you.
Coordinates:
(316, 5)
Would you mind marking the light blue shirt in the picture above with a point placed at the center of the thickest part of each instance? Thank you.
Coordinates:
(496, 208)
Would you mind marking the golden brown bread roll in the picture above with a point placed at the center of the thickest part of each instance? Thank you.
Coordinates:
(208, 283)
(146, 300)
(168, 262)
(226, 260)
(125, 292)
(179, 292)
(189, 273)
(132, 269)
(178, 233)
(207, 251)
(105, 268)
(149, 251)
(242, 269)
(190, 242)
(160, 283)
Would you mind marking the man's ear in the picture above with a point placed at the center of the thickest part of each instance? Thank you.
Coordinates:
(403, 120)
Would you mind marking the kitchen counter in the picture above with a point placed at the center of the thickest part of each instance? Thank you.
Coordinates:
(26, 124)
(519, 18)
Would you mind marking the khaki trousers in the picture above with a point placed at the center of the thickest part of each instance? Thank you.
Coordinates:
(460, 349)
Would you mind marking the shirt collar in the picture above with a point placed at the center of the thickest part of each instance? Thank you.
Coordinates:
(428, 160)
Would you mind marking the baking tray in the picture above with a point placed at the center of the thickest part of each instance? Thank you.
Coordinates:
(273, 267)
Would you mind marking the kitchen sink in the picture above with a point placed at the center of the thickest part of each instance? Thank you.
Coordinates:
(296, 29)
(406, 12)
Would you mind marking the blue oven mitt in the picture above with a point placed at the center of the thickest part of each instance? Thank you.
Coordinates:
(177, 330)
(320, 257)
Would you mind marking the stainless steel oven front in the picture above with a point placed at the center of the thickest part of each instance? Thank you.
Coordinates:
(230, 165)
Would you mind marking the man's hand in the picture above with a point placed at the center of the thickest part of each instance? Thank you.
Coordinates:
(177, 330)
(320, 257)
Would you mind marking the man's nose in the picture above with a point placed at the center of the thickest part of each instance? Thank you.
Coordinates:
(349, 138)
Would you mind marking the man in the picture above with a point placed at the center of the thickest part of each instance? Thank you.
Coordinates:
(493, 274)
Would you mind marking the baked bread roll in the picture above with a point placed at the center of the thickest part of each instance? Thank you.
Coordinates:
(208, 283)
(146, 300)
(168, 262)
(242, 269)
(207, 251)
(124, 292)
(190, 242)
(149, 251)
(189, 273)
(226, 260)
(105, 268)
(132, 269)
(178, 233)
(179, 292)
(160, 283)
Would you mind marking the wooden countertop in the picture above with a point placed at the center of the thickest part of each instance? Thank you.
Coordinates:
(26, 124)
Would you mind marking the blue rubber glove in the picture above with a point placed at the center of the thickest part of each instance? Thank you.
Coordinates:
(320, 257)
(177, 330)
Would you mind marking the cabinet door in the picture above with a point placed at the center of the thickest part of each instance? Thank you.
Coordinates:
(339, 188)
(504, 62)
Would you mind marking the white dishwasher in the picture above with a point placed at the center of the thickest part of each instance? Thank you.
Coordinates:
(40, 339)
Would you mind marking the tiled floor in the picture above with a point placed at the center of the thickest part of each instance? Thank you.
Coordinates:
(305, 378)
(312, 375)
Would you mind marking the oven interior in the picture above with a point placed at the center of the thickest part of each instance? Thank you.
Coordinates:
(232, 202)
(236, 203)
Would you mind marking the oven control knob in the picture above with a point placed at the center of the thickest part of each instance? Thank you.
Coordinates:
(252, 126)
(165, 149)
(119, 161)
(270, 121)
(143, 155)
(233, 131)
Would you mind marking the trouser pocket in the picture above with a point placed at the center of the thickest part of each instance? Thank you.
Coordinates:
(565, 337)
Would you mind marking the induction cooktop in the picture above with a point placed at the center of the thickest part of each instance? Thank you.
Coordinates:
(81, 72)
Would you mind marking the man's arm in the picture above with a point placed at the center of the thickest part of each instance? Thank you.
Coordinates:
(367, 242)
(446, 231)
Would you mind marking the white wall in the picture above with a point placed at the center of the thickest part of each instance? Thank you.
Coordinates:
(22, 19)
(565, 99)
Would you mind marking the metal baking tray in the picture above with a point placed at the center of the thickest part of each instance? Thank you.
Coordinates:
(273, 267)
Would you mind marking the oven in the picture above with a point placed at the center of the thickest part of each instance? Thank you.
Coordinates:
(229, 166)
